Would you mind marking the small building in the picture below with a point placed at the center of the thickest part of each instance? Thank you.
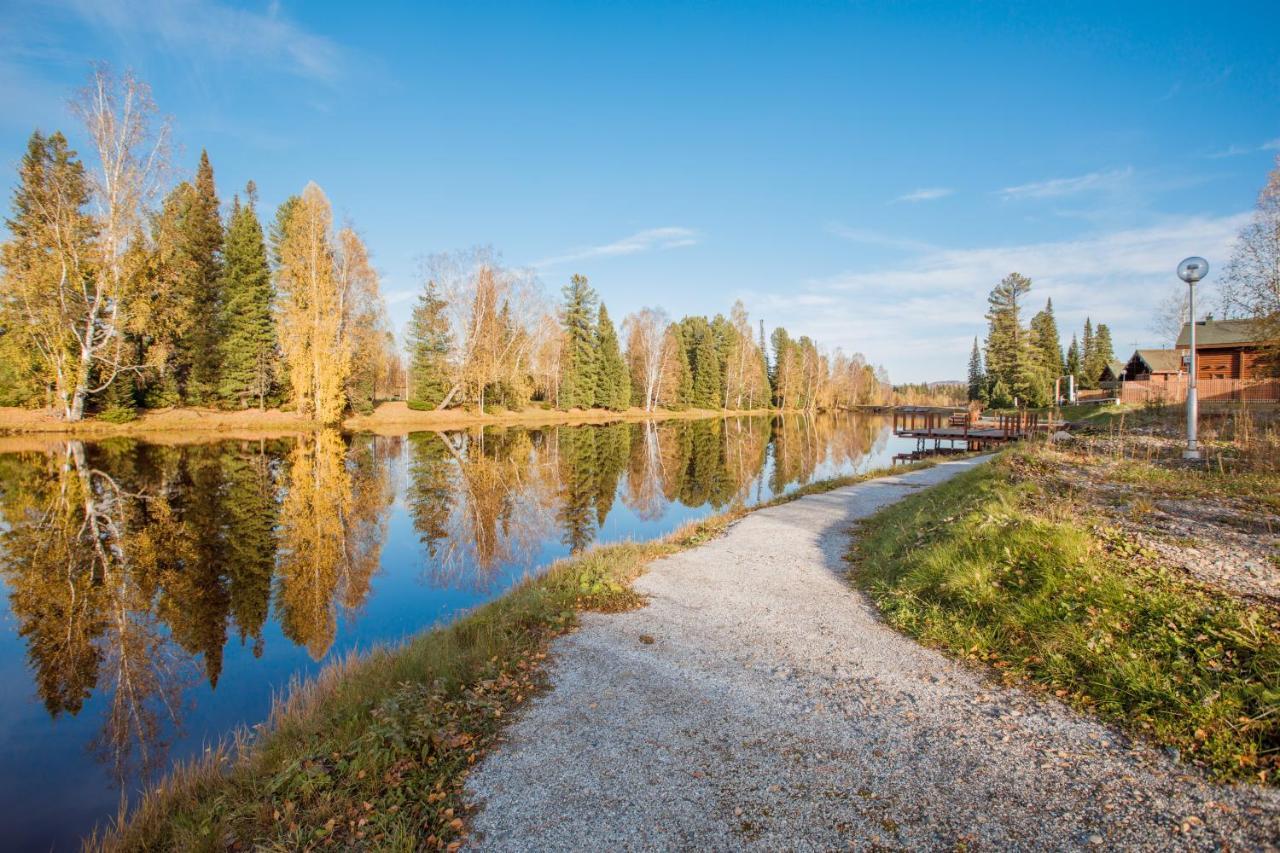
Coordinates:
(1113, 372)
(1226, 349)
(1154, 365)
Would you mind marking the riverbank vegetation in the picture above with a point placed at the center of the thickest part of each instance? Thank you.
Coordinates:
(122, 294)
(1109, 574)
(375, 751)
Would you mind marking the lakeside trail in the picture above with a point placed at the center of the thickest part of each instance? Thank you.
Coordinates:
(758, 700)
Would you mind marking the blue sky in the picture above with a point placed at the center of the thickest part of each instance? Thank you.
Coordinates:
(863, 173)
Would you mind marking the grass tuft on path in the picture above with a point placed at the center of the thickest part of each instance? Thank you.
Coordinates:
(986, 568)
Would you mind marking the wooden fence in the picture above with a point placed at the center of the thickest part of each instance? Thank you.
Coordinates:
(1209, 390)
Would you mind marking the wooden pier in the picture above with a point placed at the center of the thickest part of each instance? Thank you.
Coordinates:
(961, 427)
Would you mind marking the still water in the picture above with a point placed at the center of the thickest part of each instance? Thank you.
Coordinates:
(156, 596)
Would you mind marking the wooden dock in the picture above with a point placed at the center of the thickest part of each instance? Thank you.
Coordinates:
(960, 427)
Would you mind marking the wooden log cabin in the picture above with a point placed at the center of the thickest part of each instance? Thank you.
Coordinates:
(1225, 349)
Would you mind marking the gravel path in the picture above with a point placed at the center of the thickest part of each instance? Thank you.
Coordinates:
(773, 709)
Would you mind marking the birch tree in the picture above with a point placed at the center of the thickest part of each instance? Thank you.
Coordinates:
(648, 354)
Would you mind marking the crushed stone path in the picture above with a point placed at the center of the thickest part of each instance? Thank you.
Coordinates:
(773, 709)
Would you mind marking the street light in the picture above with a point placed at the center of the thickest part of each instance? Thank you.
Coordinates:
(1192, 270)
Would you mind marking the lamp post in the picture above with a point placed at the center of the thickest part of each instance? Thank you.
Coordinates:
(1192, 270)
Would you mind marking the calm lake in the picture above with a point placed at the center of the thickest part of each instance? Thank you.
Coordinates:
(156, 596)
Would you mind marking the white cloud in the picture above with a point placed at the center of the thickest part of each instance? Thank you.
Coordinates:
(1237, 150)
(919, 317)
(208, 27)
(926, 194)
(650, 240)
(1271, 145)
(872, 237)
(1057, 187)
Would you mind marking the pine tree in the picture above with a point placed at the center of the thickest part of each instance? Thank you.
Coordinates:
(1086, 356)
(764, 363)
(683, 372)
(204, 239)
(430, 341)
(977, 380)
(1008, 356)
(613, 382)
(248, 351)
(1046, 355)
(704, 362)
(579, 367)
(1103, 352)
(1073, 360)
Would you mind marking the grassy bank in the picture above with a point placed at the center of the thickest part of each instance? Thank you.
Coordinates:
(996, 568)
(375, 751)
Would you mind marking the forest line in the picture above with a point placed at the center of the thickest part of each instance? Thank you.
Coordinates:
(113, 303)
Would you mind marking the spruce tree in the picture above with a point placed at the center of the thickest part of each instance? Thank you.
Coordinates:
(1073, 360)
(1086, 356)
(683, 372)
(1008, 356)
(247, 349)
(1046, 355)
(579, 360)
(430, 340)
(1102, 349)
(977, 381)
(613, 382)
(205, 238)
(764, 363)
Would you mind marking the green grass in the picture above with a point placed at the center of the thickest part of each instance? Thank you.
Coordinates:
(982, 568)
(374, 752)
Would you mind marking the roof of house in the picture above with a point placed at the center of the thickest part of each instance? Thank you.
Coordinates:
(1211, 333)
(1115, 367)
(1162, 360)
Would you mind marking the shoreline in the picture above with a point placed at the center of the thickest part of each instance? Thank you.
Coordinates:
(465, 679)
(388, 418)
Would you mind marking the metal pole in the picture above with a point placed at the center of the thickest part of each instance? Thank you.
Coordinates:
(1193, 407)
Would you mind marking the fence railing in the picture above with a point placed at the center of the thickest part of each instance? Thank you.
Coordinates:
(1208, 390)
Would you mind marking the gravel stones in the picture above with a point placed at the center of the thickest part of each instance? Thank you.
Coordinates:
(775, 710)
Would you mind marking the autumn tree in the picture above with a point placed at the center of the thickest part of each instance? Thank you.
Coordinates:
(1251, 280)
(310, 307)
(364, 333)
(247, 348)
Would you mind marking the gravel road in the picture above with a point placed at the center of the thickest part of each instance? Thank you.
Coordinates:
(758, 701)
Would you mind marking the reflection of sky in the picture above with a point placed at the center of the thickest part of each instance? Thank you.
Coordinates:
(53, 789)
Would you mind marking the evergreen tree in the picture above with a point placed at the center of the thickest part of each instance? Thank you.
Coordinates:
(977, 380)
(613, 382)
(1073, 360)
(683, 372)
(204, 239)
(429, 341)
(764, 363)
(1103, 352)
(579, 367)
(1046, 355)
(704, 362)
(725, 339)
(1086, 356)
(248, 352)
(1008, 356)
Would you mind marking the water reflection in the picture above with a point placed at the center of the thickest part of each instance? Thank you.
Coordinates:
(133, 570)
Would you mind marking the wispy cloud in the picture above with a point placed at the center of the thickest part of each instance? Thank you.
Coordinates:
(650, 240)
(919, 317)
(926, 194)
(1238, 150)
(872, 237)
(1057, 187)
(208, 27)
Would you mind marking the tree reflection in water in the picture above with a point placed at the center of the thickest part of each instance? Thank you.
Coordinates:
(130, 566)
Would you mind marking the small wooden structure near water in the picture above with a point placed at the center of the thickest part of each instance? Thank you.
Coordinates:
(929, 424)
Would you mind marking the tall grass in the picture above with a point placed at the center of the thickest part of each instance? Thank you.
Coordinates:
(978, 567)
